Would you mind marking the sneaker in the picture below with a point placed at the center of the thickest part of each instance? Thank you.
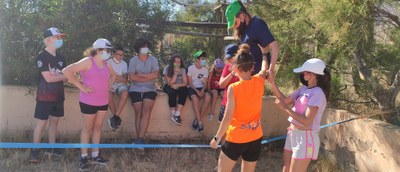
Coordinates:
(113, 122)
(54, 152)
(176, 119)
(99, 160)
(210, 117)
(84, 164)
(118, 121)
(195, 124)
(200, 127)
(139, 141)
(34, 158)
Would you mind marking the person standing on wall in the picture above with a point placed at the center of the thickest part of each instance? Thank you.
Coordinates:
(255, 32)
(143, 73)
(119, 86)
(97, 77)
(50, 90)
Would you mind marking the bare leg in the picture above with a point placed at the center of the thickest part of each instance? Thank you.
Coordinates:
(38, 132)
(205, 104)
(225, 164)
(297, 165)
(52, 130)
(146, 113)
(87, 128)
(248, 166)
(121, 103)
(287, 157)
(214, 96)
(98, 125)
(138, 116)
(196, 109)
(111, 103)
(179, 108)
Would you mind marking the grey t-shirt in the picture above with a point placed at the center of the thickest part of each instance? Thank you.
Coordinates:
(179, 77)
(138, 66)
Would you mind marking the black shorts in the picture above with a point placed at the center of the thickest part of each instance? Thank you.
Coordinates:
(218, 90)
(192, 92)
(249, 151)
(140, 96)
(44, 109)
(89, 109)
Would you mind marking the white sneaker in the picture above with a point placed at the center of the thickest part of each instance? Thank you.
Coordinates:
(210, 117)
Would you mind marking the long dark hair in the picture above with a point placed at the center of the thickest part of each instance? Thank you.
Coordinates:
(171, 64)
(324, 82)
(239, 32)
(243, 60)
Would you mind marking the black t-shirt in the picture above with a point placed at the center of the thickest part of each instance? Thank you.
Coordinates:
(49, 92)
(257, 33)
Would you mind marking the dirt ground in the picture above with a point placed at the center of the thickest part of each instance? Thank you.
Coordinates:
(148, 160)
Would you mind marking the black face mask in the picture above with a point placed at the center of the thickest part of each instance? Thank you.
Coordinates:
(302, 80)
(242, 28)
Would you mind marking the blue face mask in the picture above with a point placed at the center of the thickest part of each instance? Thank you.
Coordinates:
(105, 55)
(58, 43)
(203, 62)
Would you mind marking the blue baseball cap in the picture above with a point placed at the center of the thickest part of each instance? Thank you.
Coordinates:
(231, 50)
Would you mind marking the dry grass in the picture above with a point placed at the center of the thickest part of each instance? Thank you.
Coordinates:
(149, 160)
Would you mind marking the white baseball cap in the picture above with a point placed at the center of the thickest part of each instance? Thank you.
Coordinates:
(52, 32)
(313, 65)
(101, 43)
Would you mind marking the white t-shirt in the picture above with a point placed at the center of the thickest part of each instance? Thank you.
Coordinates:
(197, 75)
(119, 68)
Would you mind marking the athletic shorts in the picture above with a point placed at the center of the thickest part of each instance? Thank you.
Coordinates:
(249, 151)
(118, 87)
(44, 109)
(140, 96)
(89, 109)
(192, 92)
(304, 144)
(218, 90)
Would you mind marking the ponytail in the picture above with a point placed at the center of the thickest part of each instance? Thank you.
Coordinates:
(324, 82)
(89, 52)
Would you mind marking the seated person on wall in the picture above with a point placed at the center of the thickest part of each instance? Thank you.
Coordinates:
(213, 85)
(197, 83)
(175, 85)
(119, 87)
(143, 73)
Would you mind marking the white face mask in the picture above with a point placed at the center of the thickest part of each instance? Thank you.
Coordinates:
(144, 50)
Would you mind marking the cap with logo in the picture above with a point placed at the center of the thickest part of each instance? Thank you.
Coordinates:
(52, 32)
(231, 50)
(199, 54)
(231, 11)
(102, 43)
(219, 64)
(313, 65)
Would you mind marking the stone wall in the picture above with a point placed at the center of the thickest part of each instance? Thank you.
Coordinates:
(361, 145)
(18, 105)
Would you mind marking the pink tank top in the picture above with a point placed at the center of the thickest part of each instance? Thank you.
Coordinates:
(98, 79)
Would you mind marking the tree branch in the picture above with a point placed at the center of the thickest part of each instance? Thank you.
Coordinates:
(383, 13)
(364, 72)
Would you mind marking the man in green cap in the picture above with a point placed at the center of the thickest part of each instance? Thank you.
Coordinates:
(197, 81)
(254, 32)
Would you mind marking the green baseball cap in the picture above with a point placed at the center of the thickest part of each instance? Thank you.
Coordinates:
(199, 54)
(231, 11)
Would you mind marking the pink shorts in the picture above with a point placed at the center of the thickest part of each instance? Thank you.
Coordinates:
(304, 144)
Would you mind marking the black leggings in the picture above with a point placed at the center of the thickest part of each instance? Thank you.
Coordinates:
(181, 92)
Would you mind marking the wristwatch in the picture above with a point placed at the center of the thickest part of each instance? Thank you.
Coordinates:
(216, 139)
